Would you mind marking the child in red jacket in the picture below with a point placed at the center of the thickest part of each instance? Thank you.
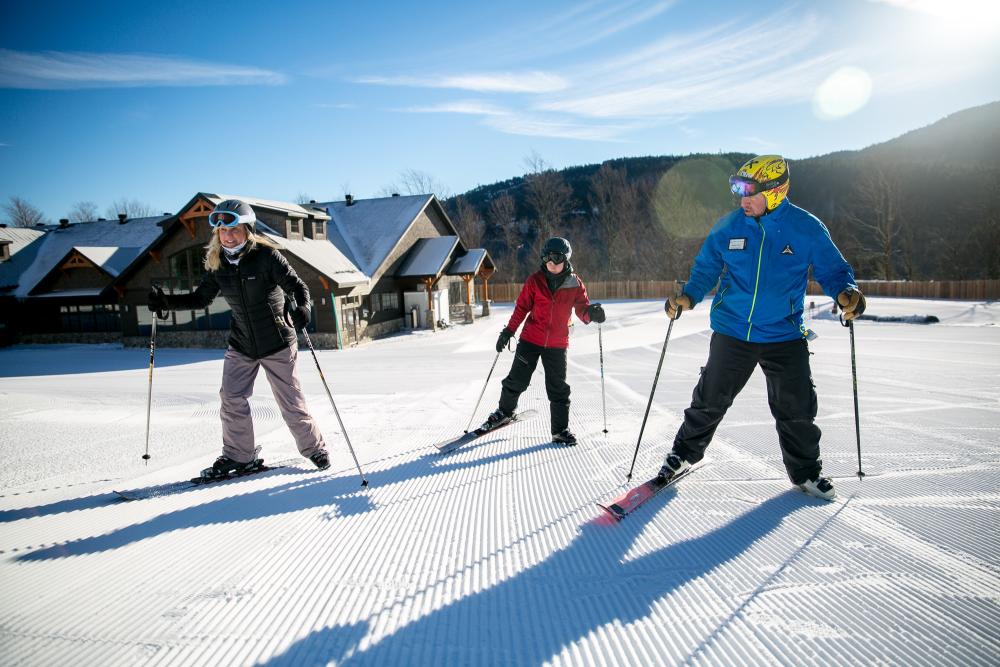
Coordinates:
(548, 298)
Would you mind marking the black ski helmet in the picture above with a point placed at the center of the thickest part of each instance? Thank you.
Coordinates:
(232, 212)
(559, 245)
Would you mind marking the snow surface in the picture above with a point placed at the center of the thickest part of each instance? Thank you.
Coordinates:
(497, 553)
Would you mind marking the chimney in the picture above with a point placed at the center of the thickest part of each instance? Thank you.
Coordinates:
(312, 201)
(63, 223)
(349, 200)
(122, 218)
(395, 194)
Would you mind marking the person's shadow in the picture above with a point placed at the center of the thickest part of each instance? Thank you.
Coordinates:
(342, 491)
(533, 616)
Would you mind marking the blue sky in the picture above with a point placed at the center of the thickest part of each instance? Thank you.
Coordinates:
(105, 100)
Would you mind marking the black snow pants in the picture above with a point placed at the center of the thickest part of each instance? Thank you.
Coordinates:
(554, 362)
(790, 393)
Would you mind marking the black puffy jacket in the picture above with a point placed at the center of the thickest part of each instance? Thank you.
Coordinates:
(255, 291)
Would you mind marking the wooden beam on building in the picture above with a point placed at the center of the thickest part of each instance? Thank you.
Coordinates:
(468, 288)
(155, 254)
(325, 283)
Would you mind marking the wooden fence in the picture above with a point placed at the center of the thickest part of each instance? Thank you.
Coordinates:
(973, 290)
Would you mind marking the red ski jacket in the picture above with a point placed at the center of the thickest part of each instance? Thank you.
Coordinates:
(548, 314)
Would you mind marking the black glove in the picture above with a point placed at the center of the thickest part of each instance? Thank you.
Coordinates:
(596, 313)
(157, 300)
(505, 336)
(300, 317)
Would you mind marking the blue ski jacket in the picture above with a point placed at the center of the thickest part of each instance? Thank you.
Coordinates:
(764, 268)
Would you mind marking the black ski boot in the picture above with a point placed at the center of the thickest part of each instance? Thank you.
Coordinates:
(564, 437)
(498, 418)
(321, 459)
(673, 465)
(227, 467)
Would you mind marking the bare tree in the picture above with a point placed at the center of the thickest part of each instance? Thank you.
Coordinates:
(614, 205)
(20, 213)
(548, 195)
(132, 208)
(415, 182)
(302, 198)
(467, 220)
(877, 209)
(83, 211)
(502, 215)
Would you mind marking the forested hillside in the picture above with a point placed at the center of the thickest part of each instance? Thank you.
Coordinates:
(925, 205)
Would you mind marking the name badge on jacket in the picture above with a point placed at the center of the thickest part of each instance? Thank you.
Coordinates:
(738, 244)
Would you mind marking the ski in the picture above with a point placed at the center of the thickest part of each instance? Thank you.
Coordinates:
(177, 487)
(632, 498)
(466, 438)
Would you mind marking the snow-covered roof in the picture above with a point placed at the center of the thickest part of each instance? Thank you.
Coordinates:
(467, 263)
(108, 243)
(427, 257)
(323, 256)
(23, 246)
(368, 229)
(19, 237)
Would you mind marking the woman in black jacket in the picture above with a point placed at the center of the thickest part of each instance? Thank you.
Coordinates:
(253, 278)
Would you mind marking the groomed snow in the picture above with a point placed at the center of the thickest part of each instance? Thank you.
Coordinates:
(497, 553)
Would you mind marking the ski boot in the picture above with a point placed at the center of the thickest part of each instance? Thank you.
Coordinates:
(495, 420)
(821, 487)
(321, 459)
(673, 465)
(227, 467)
(564, 437)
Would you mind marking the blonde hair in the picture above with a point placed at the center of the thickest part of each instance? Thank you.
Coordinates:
(213, 251)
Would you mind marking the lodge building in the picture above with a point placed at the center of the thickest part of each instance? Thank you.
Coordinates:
(373, 267)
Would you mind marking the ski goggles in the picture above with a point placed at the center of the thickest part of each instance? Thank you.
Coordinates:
(227, 219)
(744, 186)
(554, 257)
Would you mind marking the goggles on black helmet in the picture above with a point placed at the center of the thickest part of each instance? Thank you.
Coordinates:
(744, 186)
(554, 257)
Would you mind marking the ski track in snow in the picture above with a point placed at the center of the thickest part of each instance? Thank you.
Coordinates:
(497, 553)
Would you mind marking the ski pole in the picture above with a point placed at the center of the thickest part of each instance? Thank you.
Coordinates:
(604, 404)
(854, 379)
(485, 384)
(149, 389)
(652, 391)
(305, 334)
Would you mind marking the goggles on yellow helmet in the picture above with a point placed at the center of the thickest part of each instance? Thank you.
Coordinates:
(744, 186)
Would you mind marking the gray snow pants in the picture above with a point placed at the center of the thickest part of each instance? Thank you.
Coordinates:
(238, 374)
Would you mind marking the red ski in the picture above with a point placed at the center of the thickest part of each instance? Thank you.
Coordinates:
(632, 498)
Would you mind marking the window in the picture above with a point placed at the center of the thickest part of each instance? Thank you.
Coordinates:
(186, 270)
(87, 318)
(294, 228)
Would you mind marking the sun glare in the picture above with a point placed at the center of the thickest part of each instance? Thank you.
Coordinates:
(842, 93)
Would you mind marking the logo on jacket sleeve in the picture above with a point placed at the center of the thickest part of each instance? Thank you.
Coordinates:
(787, 250)
(738, 243)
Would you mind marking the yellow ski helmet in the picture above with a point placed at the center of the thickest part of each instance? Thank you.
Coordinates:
(767, 174)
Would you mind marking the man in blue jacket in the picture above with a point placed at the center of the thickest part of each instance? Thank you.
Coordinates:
(762, 252)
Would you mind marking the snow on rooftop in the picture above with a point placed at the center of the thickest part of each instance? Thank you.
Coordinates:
(323, 256)
(370, 228)
(467, 263)
(427, 257)
(137, 233)
(497, 553)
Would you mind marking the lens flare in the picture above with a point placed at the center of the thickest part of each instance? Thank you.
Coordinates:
(845, 91)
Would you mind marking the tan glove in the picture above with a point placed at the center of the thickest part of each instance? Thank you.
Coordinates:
(675, 304)
(852, 303)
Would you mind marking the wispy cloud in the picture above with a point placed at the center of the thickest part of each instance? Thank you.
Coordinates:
(63, 70)
(482, 82)
(469, 107)
(560, 128)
